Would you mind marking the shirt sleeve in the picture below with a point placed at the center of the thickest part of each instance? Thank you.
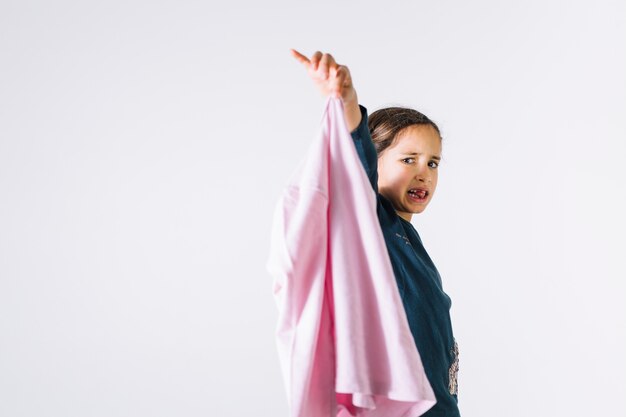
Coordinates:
(365, 149)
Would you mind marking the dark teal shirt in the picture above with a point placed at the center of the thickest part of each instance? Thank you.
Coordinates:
(426, 305)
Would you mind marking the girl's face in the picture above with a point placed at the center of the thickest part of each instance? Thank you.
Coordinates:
(407, 170)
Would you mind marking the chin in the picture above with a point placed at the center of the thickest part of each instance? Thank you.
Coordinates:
(420, 209)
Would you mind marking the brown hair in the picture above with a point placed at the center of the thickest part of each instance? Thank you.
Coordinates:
(385, 125)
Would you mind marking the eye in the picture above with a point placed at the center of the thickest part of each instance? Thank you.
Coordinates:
(408, 160)
(435, 163)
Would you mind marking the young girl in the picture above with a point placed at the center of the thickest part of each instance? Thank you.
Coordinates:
(400, 150)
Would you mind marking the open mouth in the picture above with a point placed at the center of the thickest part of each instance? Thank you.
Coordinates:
(418, 195)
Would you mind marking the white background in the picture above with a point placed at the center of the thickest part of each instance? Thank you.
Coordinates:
(143, 146)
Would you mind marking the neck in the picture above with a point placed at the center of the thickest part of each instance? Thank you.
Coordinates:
(406, 216)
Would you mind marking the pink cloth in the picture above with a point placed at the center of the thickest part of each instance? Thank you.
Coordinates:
(343, 338)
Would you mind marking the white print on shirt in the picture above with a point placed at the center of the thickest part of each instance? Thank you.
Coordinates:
(406, 239)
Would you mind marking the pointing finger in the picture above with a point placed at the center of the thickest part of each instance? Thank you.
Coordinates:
(301, 58)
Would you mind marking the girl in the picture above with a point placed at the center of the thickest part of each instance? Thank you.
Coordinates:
(400, 150)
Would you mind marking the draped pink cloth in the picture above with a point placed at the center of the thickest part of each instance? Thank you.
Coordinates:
(343, 338)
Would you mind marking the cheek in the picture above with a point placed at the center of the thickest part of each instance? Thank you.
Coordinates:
(385, 172)
(389, 179)
(394, 177)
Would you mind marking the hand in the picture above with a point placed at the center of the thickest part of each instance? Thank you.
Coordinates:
(330, 78)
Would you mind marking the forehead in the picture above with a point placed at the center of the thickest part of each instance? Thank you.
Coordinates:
(417, 139)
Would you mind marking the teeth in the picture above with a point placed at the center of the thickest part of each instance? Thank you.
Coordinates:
(418, 193)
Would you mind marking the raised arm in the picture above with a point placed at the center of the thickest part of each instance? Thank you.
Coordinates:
(365, 148)
(335, 80)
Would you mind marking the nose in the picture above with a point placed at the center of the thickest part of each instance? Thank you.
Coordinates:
(422, 173)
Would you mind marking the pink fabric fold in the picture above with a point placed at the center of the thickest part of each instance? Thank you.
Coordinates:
(343, 339)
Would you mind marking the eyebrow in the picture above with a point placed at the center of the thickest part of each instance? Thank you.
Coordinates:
(438, 158)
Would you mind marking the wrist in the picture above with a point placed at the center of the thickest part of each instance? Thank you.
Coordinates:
(352, 113)
(350, 101)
